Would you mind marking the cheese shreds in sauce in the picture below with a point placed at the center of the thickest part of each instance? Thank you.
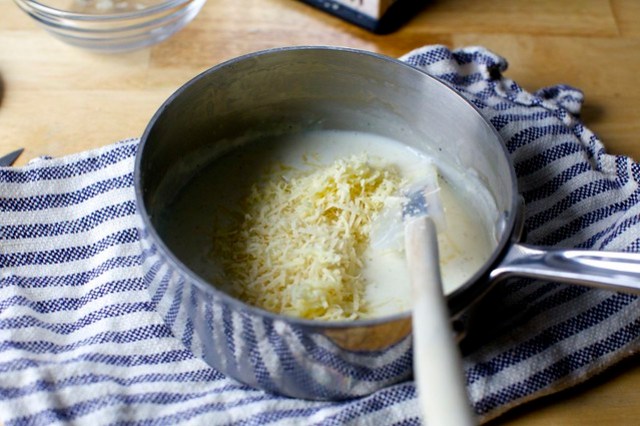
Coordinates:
(298, 248)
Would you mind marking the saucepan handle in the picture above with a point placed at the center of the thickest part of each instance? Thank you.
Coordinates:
(617, 271)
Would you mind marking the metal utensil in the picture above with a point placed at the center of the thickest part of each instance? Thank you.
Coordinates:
(10, 158)
(289, 90)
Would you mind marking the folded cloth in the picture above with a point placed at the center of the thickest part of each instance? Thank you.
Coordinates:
(80, 341)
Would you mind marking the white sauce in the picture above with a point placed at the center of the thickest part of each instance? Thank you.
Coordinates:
(464, 245)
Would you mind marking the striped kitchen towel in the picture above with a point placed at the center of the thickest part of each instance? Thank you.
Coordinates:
(80, 341)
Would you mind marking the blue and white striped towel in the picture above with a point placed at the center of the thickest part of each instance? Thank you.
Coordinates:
(80, 341)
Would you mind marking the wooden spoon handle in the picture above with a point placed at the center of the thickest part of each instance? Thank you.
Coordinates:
(438, 372)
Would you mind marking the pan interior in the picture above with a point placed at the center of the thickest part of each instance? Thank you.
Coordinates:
(247, 211)
(265, 97)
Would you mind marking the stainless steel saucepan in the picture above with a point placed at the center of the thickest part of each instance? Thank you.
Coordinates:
(310, 88)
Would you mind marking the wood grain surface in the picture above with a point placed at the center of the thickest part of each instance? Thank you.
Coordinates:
(57, 100)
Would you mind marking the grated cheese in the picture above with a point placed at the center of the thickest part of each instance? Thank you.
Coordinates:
(297, 249)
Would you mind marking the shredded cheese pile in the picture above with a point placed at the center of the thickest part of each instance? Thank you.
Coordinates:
(298, 248)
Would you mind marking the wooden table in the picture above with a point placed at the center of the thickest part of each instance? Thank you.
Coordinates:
(58, 100)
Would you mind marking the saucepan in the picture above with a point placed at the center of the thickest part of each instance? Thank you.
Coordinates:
(300, 88)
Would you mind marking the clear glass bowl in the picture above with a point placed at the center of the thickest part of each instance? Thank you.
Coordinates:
(112, 25)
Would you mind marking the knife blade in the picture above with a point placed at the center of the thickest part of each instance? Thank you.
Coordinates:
(10, 158)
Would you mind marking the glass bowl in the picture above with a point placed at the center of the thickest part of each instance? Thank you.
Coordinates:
(111, 25)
